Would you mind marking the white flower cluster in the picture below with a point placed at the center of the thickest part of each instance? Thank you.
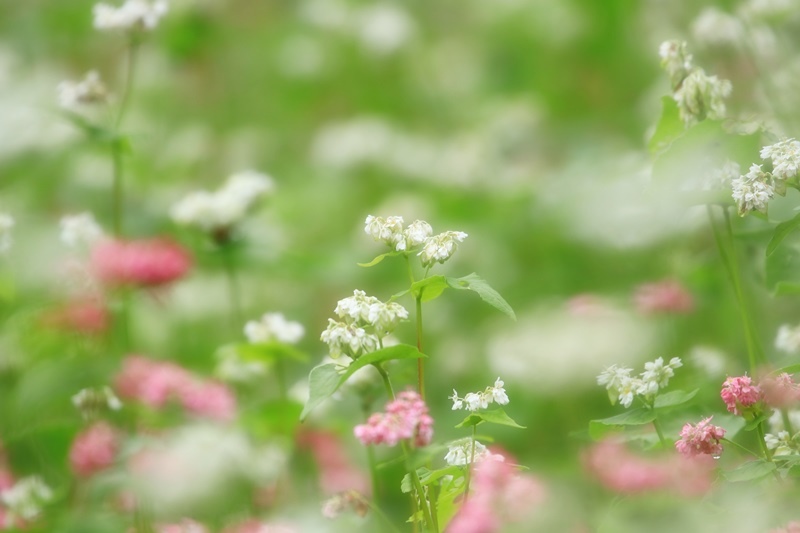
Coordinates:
(785, 157)
(722, 178)
(623, 387)
(753, 191)
(698, 95)
(90, 90)
(788, 339)
(6, 223)
(80, 230)
(782, 444)
(460, 453)
(220, 210)
(139, 15)
(273, 327)
(91, 401)
(365, 321)
(481, 400)
(25, 499)
(435, 248)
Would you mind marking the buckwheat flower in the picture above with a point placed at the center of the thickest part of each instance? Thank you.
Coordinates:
(93, 450)
(788, 339)
(700, 439)
(785, 156)
(753, 191)
(80, 230)
(390, 231)
(273, 327)
(739, 392)
(460, 452)
(440, 248)
(619, 384)
(90, 402)
(458, 403)
(6, 223)
(628, 389)
(405, 418)
(716, 27)
(499, 393)
(145, 263)
(476, 400)
(700, 97)
(25, 499)
(348, 339)
(385, 317)
(208, 399)
(676, 60)
(656, 375)
(248, 186)
(356, 308)
(721, 178)
(89, 91)
(780, 391)
(133, 15)
(780, 444)
(417, 233)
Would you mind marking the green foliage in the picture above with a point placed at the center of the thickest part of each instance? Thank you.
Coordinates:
(750, 471)
(674, 398)
(632, 417)
(494, 416)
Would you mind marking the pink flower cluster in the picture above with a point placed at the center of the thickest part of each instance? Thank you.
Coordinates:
(144, 263)
(88, 316)
(93, 450)
(666, 296)
(336, 471)
(781, 391)
(620, 470)
(186, 525)
(155, 382)
(791, 527)
(738, 392)
(499, 495)
(702, 439)
(405, 418)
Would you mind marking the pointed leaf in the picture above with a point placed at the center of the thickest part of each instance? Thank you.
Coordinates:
(474, 282)
(429, 288)
(378, 259)
(495, 416)
(673, 398)
(782, 230)
(750, 471)
(324, 380)
(634, 417)
(669, 126)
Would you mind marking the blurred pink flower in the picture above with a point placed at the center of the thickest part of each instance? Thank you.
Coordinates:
(700, 439)
(256, 526)
(87, 316)
(210, 399)
(791, 527)
(337, 473)
(406, 417)
(780, 391)
(186, 525)
(145, 263)
(499, 495)
(740, 392)
(93, 450)
(667, 296)
(620, 470)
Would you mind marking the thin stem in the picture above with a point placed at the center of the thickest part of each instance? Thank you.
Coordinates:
(130, 69)
(787, 422)
(762, 443)
(366, 407)
(426, 511)
(232, 276)
(469, 466)
(386, 383)
(409, 269)
(751, 452)
(280, 377)
(420, 361)
(377, 510)
(657, 425)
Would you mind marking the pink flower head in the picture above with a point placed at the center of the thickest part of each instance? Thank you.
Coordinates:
(337, 473)
(93, 450)
(738, 392)
(87, 316)
(256, 526)
(144, 263)
(666, 296)
(186, 525)
(700, 439)
(406, 417)
(210, 399)
(780, 391)
(791, 527)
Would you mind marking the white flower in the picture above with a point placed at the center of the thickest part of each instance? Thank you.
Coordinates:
(273, 326)
(383, 27)
(80, 230)
(90, 90)
(613, 377)
(132, 15)
(722, 177)
(440, 248)
(476, 400)
(90, 401)
(700, 97)
(782, 443)
(25, 499)
(481, 400)
(461, 452)
(752, 191)
(656, 375)
(385, 317)
(499, 393)
(232, 367)
(714, 26)
(348, 339)
(788, 339)
(248, 186)
(417, 233)
(6, 223)
(356, 308)
(675, 59)
(390, 231)
(457, 402)
(628, 389)
(785, 156)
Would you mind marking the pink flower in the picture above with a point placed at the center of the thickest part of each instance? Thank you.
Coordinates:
(499, 495)
(700, 439)
(780, 391)
(791, 527)
(186, 525)
(336, 471)
(740, 392)
(666, 296)
(144, 263)
(93, 450)
(210, 399)
(405, 418)
(255, 526)
(87, 316)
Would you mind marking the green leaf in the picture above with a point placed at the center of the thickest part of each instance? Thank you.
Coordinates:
(782, 230)
(324, 380)
(634, 417)
(496, 416)
(789, 369)
(673, 398)
(783, 267)
(269, 352)
(474, 282)
(379, 259)
(429, 288)
(753, 424)
(669, 126)
(750, 471)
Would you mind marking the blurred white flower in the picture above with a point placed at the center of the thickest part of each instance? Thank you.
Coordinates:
(440, 248)
(80, 230)
(90, 90)
(383, 28)
(6, 223)
(788, 339)
(676, 60)
(461, 452)
(722, 178)
(780, 444)
(141, 15)
(711, 361)
(91, 401)
(785, 156)
(232, 367)
(753, 191)
(273, 326)
(25, 499)
(348, 339)
(701, 97)
(716, 27)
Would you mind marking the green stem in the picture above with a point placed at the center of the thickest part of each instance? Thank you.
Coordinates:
(657, 425)
(377, 510)
(727, 251)
(469, 466)
(409, 269)
(420, 361)
(232, 276)
(762, 443)
(787, 422)
(280, 377)
(386, 383)
(130, 68)
(751, 452)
